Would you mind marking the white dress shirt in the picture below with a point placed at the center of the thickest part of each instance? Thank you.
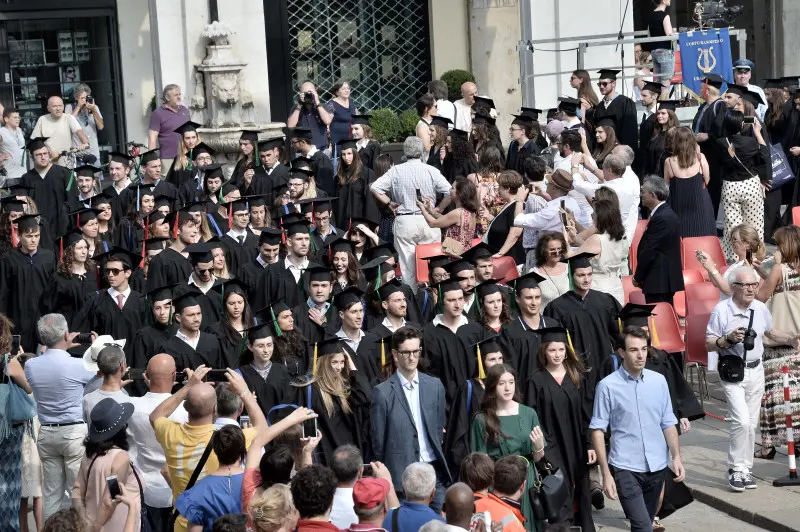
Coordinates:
(462, 320)
(352, 344)
(411, 391)
(627, 192)
(113, 293)
(342, 513)
(446, 109)
(202, 288)
(388, 324)
(192, 342)
(296, 271)
(463, 119)
(547, 219)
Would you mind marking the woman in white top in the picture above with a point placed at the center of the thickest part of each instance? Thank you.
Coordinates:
(88, 116)
(426, 109)
(551, 248)
(744, 238)
(609, 247)
(12, 145)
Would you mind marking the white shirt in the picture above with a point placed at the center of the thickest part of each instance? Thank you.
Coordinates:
(462, 320)
(446, 109)
(224, 421)
(584, 215)
(192, 342)
(463, 119)
(261, 261)
(236, 233)
(388, 324)
(312, 151)
(761, 110)
(113, 293)
(627, 193)
(342, 513)
(204, 289)
(145, 452)
(468, 301)
(411, 391)
(548, 218)
(125, 185)
(91, 399)
(296, 271)
(352, 344)
(13, 143)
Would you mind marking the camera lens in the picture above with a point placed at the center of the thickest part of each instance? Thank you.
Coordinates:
(749, 341)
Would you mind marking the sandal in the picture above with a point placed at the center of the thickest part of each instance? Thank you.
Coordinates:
(657, 526)
(769, 456)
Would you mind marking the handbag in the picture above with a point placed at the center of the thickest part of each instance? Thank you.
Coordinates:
(19, 406)
(549, 492)
(452, 247)
(781, 171)
(784, 306)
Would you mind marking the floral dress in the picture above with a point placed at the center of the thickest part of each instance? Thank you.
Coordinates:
(491, 202)
(461, 232)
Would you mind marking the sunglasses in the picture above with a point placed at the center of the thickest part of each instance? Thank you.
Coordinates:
(604, 83)
(114, 271)
(203, 270)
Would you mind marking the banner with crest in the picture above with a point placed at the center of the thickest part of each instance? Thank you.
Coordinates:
(703, 53)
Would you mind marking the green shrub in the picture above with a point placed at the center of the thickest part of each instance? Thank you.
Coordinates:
(408, 122)
(454, 79)
(385, 125)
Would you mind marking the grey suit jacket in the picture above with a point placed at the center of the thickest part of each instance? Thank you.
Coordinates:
(394, 433)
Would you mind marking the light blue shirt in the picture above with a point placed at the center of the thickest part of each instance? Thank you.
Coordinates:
(325, 307)
(411, 391)
(638, 411)
(57, 381)
(726, 317)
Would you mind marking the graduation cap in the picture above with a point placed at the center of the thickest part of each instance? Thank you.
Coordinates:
(483, 119)
(202, 148)
(438, 261)
(297, 227)
(258, 200)
(15, 187)
(66, 241)
(148, 157)
(652, 86)
(36, 144)
(485, 100)
(529, 280)
(670, 105)
(459, 133)
(552, 334)
(715, 80)
(637, 315)
(187, 127)
(200, 252)
(185, 300)
(388, 288)
(347, 144)
(26, 222)
(12, 204)
(302, 133)
(522, 120)
(441, 121)
(238, 205)
(348, 297)
(356, 220)
(568, 104)
(289, 215)
(374, 269)
(385, 339)
(301, 161)
(193, 206)
(773, 83)
(162, 293)
(341, 244)
(270, 314)
(270, 144)
(608, 73)
(319, 274)
(481, 250)
(279, 189)
(162, 200)
(127, 258)
(259, 331)
(458, 266)
(384, 249)
(607, 121)
(270, 236)
(301, 173)
(86, 170)
(155, 243)
(581, 260)
(251, 136)
(103, 198)
(84, 216)
(177, 218)
(790, 82)
(227, 188)
(231, 286)
(315, 205)
(754, 98)
(531, 112)
(448, 285)
(331, 346)
(488, 345)
(119, 157)
(488, 288)
(362, 120)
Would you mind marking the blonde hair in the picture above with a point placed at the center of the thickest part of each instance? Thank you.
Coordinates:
(751, 238)
(270, 510)
(182, 160)
(331, 384)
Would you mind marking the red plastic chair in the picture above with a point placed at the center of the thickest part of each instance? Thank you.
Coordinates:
(628, 288)
(701, 296)
(679, 301)
(637, 237)
(692, 277)
(423, 251)
(668, 329)
(637, 297)
(796, 215)
(709, 244)
(505, 269)
(696, 359)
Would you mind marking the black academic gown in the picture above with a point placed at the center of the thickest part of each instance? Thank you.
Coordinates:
(238, 254)
(311, 330)
(523, 345)
(516, 156)
(50, 195)
(263, 181)
(102, 315)
(655, 156)
(450, 356)
(116, 204)
(323, 172)
(271, 392)
(453, 169)
(297, 362)
(369, 154)
(564, 412)
(167, 268)
(592, 325)
(709, 120)
(192, 189)
(319, 244)
(366, 357)
(277, 282)
(230, 350)
(467, 403)
(160, 188)
(374, 315)
(145, 347)
(249, 275)
(23, 280)
(208, 352)
(210, 302)
(129, 234)
(623, 110)
(66, 295)
(355, 199)
(340, 428)
(646, 129)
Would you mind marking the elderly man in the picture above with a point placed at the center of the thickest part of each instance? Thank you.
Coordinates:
(419, 486)
(171, 115)
(463, 106)
(57, 381)
(550, 218)
(742, 73)
(58, 128)
(732, 321)
(311, 114)
(398, 189)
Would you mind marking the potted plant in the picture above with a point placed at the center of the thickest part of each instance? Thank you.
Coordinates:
(454, 79)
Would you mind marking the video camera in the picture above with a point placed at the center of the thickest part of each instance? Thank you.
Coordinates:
(715, 13)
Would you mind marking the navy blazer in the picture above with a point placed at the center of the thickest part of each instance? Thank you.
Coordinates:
(658, 259)
(394, 433)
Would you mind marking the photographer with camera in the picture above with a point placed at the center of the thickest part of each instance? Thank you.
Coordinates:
(736, 330)
(88, 116)
(311, 113)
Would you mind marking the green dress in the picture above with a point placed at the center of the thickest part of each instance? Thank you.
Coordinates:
(517, 430)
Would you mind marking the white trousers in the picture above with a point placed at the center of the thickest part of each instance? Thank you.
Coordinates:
(744, 404)
(60, 451)
(409, 232)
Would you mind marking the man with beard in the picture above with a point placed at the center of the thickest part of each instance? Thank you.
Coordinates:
(618, 106)
(393, 302)
(48, 187)
(172, 266)
(149, 337)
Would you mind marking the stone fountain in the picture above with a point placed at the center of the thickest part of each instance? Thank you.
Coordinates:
(221, 103)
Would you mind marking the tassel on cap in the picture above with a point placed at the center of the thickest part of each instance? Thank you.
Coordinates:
(175, 226)
(653, 332)
(383, 355)
(481, 372)
(189, 165)
(569, 341)
(314, 368)
(230, 215)
(278, 331)
(61, 249)
(71, 180)
(14, 238)
(619, 323)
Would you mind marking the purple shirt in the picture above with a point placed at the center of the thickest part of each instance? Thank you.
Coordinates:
(166, 121)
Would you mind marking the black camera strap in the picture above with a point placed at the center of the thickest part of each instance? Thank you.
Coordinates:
(749, 328)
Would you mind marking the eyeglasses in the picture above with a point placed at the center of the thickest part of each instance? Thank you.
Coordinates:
(409, 354)
(751, 286)
(114, 271)
(514, 129)
(603, 83)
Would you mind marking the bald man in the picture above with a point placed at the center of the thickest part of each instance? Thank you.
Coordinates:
(459, 506)
(463, 119)
(59, 129)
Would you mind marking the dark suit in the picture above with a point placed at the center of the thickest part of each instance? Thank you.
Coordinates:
(394, 432)
(659, 272)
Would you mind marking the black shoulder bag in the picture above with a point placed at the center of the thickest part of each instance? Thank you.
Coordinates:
(193, 479)
(731, 367)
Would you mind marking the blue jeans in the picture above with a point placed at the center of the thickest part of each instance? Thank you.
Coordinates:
(663, 65)
(638, 494)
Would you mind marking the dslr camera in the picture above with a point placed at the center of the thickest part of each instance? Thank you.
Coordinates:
(308, 98)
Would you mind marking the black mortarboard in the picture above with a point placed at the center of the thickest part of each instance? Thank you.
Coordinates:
(581, 260)
(82, 216)
(202, 148)
(483, 119)
(531, 112)
(529, 280)
(360, 119)
(375, 268)
(162, 200)
(227, 188)
(200, 252)
(330, 346)
(341, 244)
(155, 243)
(263, 329)
(652, 86)
(608, 73)
(271, 312)
(239, 204)
(27, 222)
(148, 156)
(635, 314)
(102, 198)
(488, 288)
(790, 82)
(155, 216)
(270, 144)
(36, 144)
(667, 104)
(372, 225)
(384, 249)
(319, 274)
(347, 144)
(15, 187)
(736, 89)
(300, 173)
(270, 236)
(86, 170)
(12, 204)
(482, 348)
(71, 238)
(279, 189)
(715, 80)
(119, 157)
(522, 120)
(448, 285)
(126, 257)
(754, 98)
(288, 215)
(458, 266)
(298, 227)
(193, 206)
(348, 297)
(187, 126)
(161, 293)
(231, 286)
(552, 334)
(315, 205)
(441, 121)
(301, 161)
(438, 261)
(459, 133)
(252, 136)
(389, 287)
(773, 83)
(568, 104)
(485, 100)
(185, 300)
(302, 133)
(176, 218)
(607, 121)
(258, 200)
